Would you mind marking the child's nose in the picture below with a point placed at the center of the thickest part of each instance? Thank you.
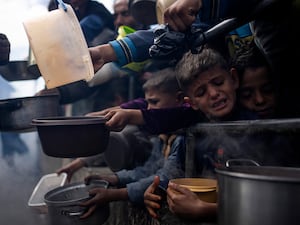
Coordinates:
(213, 92)
(259, 98)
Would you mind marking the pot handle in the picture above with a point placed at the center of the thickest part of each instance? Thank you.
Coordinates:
(72, 214)
(250, 161)
(12, 104)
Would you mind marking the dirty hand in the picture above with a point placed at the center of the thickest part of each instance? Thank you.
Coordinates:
(187, 204)
(4, 49)
(71, 168)
(151, 199)
(181, 14)
(103, 112)
(102, 54)
(117, 119)
(100, 197)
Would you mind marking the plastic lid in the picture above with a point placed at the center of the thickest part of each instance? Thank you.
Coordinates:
(45, 184)
(197, 184)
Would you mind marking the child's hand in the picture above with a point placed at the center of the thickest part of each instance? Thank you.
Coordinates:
(117, 119)
(181, 14)
(102, 54)
(151, 199)
(71, 168)
(187, 204)
(103, 112)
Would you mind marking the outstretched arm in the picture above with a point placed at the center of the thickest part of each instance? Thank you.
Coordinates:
(102, 54)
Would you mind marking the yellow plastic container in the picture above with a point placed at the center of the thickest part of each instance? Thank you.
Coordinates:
(59, 47)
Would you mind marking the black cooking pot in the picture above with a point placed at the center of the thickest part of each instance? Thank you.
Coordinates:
(17, 113)
(70, 137)
(18, 70)
(63, 204)
(256, 195)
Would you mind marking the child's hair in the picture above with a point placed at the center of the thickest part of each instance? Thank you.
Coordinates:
(192, 65)
(249, 58)
(163, 80)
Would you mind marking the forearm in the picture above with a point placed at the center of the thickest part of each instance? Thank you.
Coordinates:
(91, 160)
(206, 210)
(106, 51)
(136, 117)
(133, 48)
(166, 120)
(119, 194)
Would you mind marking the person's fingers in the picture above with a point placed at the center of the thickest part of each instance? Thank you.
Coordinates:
(156, 181)
(89, 178)
(179, 20)
(99, 113)
(89, 212)
(152, 212)
(152, 204)
(175, 23)
(91, 201)
(177, 188)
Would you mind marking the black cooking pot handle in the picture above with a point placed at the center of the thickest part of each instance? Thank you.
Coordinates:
(11, 105)
(250, 161)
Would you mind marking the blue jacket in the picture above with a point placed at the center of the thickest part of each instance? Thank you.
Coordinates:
(138, 179)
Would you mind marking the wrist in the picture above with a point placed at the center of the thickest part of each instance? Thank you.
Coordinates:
(119, 194)
(136, 117)
(109, 53)
(81, 163)
(206, 209)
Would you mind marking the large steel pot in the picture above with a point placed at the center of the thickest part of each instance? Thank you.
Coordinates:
(63, 204)
(17, 113)
(251, 195)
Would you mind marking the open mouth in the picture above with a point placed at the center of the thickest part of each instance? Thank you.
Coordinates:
(220, 104)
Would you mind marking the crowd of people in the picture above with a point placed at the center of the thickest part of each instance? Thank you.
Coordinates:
(244, 73)
(219, 84)
(234, 76)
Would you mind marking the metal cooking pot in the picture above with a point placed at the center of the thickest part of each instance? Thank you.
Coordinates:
(17, 113)
(63, 204)
(17, 70)
(255, 195)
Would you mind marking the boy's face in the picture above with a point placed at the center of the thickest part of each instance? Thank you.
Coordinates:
(158, 99)
(214, 93)
(256, 92)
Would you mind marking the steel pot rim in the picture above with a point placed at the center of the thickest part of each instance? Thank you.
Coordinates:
(263, 173)
(72, 202)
